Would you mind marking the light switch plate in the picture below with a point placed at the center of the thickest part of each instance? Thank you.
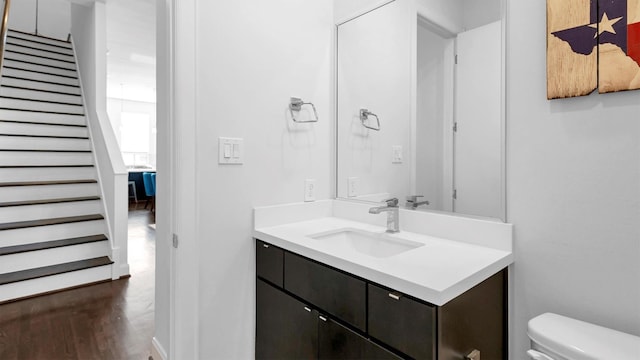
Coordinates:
(310, 190)
(230, 151)
(352, 187)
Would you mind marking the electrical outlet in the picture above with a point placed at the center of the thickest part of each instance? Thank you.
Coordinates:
(396, 157)
(352, 187)
(310, 190)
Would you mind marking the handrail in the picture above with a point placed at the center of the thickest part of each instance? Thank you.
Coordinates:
(3, 30)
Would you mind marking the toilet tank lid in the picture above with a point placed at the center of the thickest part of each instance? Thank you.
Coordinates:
(579, 340)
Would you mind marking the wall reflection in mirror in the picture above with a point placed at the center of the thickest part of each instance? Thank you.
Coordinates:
(429, 74)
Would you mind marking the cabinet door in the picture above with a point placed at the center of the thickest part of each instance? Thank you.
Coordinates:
(405, 324)
(269, 262)
(285, 327)
(341, 295)
(337, 342)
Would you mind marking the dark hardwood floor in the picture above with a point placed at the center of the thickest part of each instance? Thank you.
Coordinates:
(112, 320)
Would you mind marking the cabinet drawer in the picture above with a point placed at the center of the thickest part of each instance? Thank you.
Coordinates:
(341, 295)
(403, 323)
(337, 342)
(285, 327)
(269, 262)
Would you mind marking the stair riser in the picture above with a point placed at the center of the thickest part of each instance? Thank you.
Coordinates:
(39, 77)
(48, 211)
(39, 45)
(10, 62)
(63, 119)
(52, 232)
(19, 158)
(44, 192)
(39, 60)
(38, 52)
(40, 106)
(40, 95)
(20, 35)
(52, 283)
(42, 130)
(36, 143)
(41, 258)
(45, 174)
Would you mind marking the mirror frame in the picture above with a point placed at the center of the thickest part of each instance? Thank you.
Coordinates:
(417, 11)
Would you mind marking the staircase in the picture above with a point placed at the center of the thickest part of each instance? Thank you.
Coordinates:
(52, 231)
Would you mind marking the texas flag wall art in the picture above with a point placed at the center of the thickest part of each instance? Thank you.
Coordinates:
(592, 44)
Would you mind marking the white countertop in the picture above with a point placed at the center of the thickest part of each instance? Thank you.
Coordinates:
(436, 272)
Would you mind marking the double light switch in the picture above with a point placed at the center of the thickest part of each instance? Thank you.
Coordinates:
(230, 150)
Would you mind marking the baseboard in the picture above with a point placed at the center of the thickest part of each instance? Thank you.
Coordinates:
(157, 351)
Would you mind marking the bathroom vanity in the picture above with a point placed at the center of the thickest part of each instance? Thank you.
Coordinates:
(331, 283)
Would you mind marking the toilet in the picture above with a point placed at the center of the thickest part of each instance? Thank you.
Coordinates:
(556, 337)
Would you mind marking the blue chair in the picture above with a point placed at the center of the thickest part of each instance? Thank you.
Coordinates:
(149, 189)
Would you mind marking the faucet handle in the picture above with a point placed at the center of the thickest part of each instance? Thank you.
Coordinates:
(413, 198)
(393, 202)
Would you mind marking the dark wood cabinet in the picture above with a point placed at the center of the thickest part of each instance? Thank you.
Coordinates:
(269, 263)
(337, 293)
(308, 310)
(402, 322)
(336, 341)
(285, 327)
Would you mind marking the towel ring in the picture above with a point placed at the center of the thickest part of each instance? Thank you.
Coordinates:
(364, 117)
(296, 105)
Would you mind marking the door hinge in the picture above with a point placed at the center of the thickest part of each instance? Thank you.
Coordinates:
(455, 194)
(456, 59)
(455, 127)
(175, 241)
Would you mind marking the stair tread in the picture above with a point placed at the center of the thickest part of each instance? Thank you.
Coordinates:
(41, 123)
(17, 249)
(12, 41)
(40, 166)
(39, 90)
(41, 111)
(39, 100)
(14, 51)
(51, 182)
(45, 222)
(46, 150)
(39, 72)
(48, 201)
(53, 270)
(48, 136)
(40, 81)
(37, 36)
(10, 58)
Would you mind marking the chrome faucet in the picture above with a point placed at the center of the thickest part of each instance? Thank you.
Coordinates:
(413, 203)
(392, 210)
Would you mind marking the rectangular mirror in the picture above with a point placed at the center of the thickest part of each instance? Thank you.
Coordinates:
(420, 106)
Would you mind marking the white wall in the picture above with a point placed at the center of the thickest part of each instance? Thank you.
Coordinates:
(573, 192)
(162, 316)
(430, 118)
(89, 39)
(373, 56)
(53, 20)
(477, 13)
(238, 86)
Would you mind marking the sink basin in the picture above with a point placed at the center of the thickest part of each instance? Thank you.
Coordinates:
(380, 245)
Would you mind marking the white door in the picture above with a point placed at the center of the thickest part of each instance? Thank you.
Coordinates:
(477, 150)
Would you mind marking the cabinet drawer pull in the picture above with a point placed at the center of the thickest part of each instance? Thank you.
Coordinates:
(474, 355)
(322, 318)
(307, 308)
(265, 246)
(395, 296)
